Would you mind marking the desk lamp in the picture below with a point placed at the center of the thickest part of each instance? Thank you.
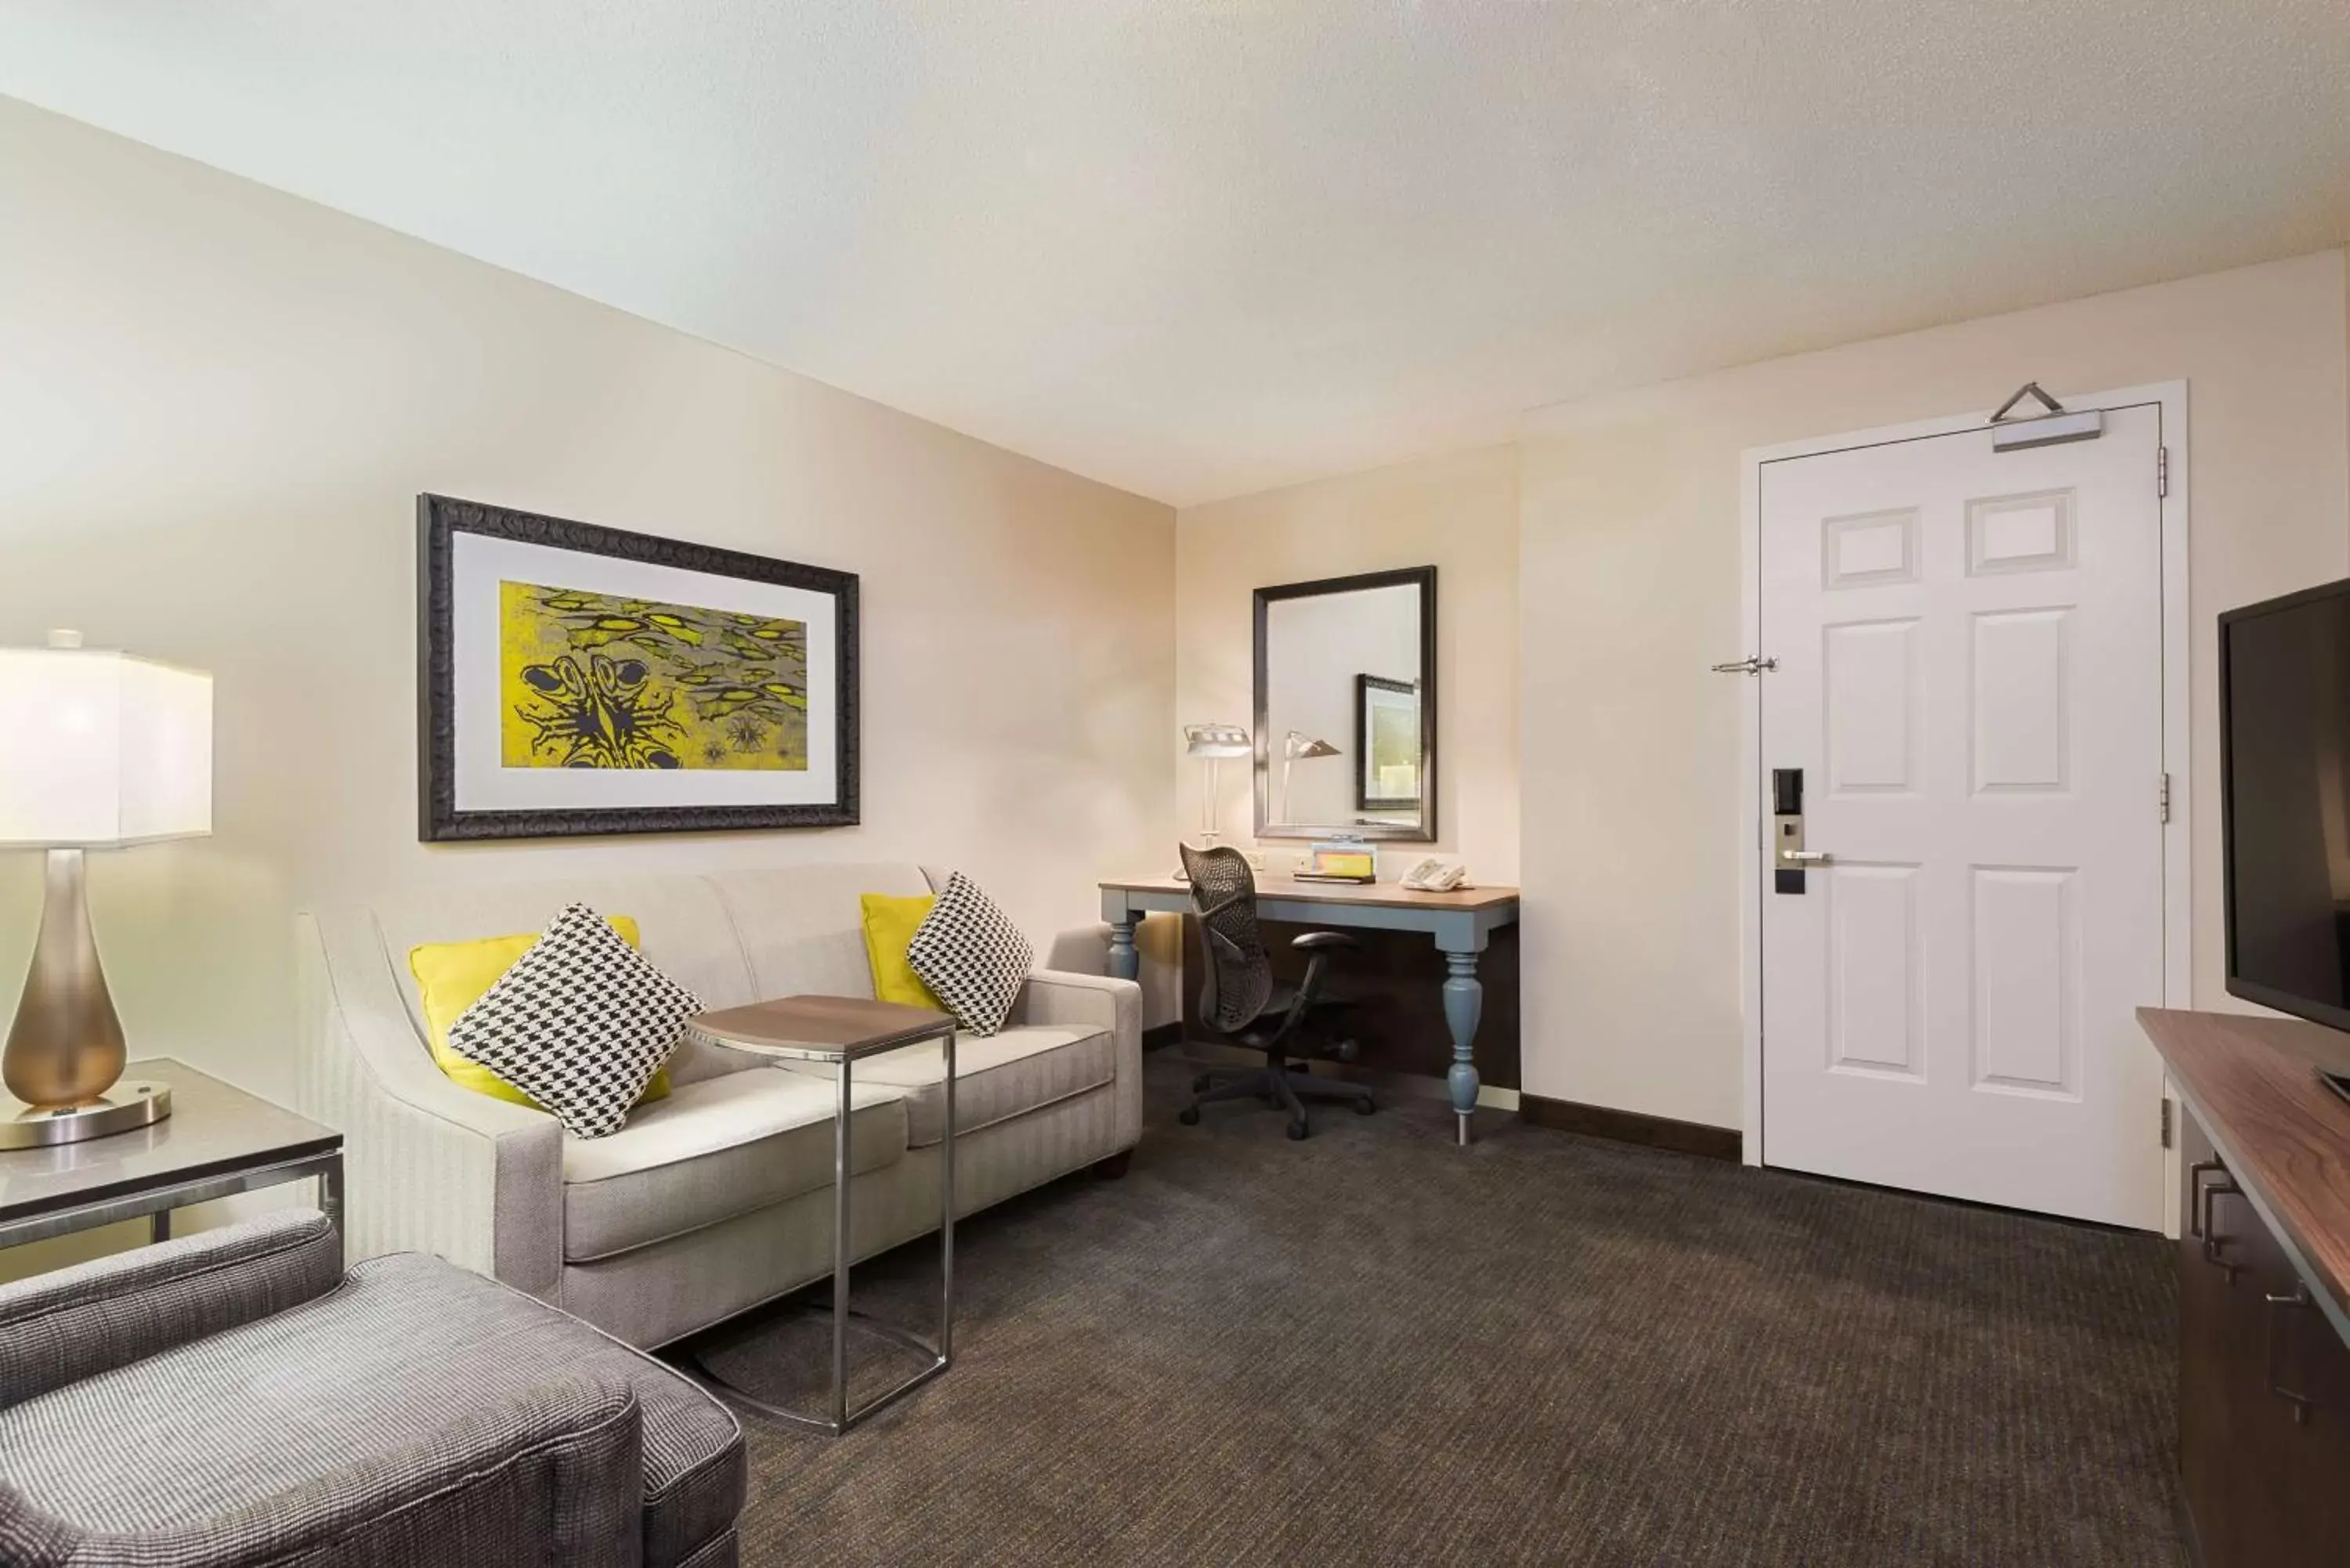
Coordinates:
(1213, 744)
(1299, 744)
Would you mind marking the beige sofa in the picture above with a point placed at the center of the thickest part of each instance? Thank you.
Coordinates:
(719, 1197)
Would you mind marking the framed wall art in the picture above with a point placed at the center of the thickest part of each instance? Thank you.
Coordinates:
(579, 680)
(1387, 743)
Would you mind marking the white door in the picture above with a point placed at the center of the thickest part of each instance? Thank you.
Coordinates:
(1969, 677)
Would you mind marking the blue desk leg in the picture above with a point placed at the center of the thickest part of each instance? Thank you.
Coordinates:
(1464, 1001)
(1125, 963)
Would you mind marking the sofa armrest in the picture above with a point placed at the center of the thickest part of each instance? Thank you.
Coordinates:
(60, 1327)
(554, 1474)
(1058, 996)
(428, 1166)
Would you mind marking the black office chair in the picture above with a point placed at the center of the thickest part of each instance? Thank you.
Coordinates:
(1241, 1000)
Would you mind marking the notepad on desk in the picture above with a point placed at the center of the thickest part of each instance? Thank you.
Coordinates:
(1339, 862)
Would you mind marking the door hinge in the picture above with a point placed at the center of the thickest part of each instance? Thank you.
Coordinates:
(1754, 666)
(2165, 1121)
(2162, 800)
(2162, 471)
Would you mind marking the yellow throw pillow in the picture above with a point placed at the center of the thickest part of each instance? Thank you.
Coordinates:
(889, 926)
(452, 976)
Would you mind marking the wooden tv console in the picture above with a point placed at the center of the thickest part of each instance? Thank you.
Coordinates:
(2263, 1288)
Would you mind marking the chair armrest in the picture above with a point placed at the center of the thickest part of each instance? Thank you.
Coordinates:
(428, 1166)
(554, 1474)
(1058, 996)
(1315, 941)
(60, 1327)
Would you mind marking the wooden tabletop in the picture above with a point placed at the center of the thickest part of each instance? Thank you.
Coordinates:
(820, 1027)
(1381, 894)
(213, 1129)
(2251, 1080)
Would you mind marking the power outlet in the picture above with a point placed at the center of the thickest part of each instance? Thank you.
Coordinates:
(1255, 858)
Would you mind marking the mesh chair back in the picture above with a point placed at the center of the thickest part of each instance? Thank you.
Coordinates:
(1239, 977)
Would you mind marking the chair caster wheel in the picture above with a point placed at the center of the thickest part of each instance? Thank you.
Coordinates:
(1365, 1108)
(1199, 1085)
(1297, 1129)
(1189, 1116)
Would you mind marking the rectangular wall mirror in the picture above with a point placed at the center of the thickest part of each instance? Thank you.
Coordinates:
(1345, 707)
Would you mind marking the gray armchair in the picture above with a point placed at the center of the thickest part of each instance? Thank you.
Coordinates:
(235, 1399)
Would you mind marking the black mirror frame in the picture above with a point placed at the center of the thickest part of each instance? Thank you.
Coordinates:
(1422, 577)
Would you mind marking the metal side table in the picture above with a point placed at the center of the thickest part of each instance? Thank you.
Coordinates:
(840, 1031)
(217, 1141)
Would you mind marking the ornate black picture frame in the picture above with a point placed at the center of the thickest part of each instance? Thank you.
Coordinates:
(577, 679)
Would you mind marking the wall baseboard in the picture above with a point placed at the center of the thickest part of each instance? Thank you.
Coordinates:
(1632, 1127)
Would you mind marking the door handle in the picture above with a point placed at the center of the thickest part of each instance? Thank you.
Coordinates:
(2299, 1297)
(1805, 856)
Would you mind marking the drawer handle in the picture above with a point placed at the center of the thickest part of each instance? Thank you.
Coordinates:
(2200, 1222)
(2300, 1297)
(2197, 1221)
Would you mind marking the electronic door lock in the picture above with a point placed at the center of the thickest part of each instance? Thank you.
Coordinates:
(1789, 858)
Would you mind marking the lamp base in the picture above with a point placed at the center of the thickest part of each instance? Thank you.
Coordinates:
(130, 1104)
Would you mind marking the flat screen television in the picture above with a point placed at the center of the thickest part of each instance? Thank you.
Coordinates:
(2284, 781)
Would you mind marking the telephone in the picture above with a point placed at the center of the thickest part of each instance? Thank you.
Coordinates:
(1435, 876)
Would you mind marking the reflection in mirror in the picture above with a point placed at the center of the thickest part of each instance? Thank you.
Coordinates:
(1387, 739)
(1346, 735)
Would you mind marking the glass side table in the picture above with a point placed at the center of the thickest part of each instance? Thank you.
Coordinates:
(840, 1031)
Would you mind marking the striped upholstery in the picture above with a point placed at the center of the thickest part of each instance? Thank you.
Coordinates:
(544, 1475)
(675, 1286)
(435, 1398)
(433, 1167)
(60, 1327)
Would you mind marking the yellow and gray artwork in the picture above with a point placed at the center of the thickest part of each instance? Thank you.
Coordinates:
(598, 680)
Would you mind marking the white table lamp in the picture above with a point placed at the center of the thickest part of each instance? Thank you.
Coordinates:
(1211, 744)
(104, 750)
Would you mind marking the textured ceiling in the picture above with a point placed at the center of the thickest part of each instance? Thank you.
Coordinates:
(1200, 247)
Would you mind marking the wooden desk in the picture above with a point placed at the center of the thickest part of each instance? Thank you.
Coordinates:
(1458, 922)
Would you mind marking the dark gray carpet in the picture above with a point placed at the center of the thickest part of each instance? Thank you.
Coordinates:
(1372, 1348)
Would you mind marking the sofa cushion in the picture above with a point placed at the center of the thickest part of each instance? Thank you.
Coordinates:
(684, 928)
(405, 1345)
(996, 1078)
(716, 1148)
(891, 923)
(972, 956)
(803, 930)
(580, 1023)
(452, 976)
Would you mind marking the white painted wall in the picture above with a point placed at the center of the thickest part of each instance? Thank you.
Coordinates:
(217, 404)
(1629, 558)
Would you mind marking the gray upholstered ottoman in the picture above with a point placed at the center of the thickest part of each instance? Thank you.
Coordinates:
(236, 1398)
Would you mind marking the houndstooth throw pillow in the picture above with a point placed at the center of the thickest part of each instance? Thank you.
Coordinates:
(971, 955)
(580, 1023)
